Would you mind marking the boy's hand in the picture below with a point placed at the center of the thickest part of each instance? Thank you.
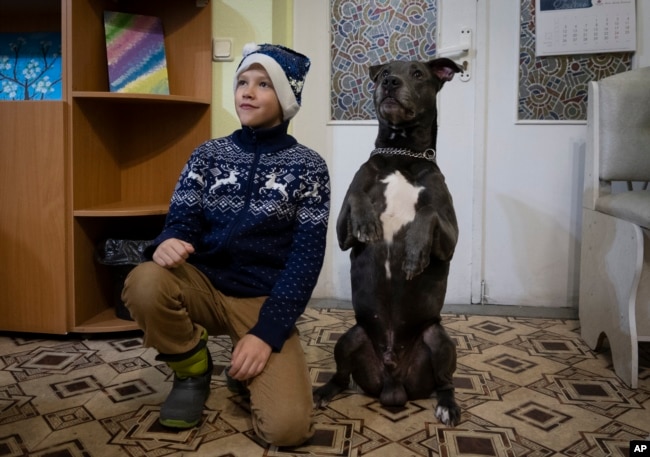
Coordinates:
(172, 252)
(249, 358)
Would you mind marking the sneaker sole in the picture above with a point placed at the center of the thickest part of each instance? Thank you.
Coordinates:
(171, 423)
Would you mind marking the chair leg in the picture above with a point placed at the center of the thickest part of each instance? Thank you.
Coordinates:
(611, 269)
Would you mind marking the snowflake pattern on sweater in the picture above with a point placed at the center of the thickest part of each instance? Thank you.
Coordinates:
(255, 206)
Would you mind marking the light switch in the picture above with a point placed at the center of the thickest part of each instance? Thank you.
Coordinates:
(222, 50)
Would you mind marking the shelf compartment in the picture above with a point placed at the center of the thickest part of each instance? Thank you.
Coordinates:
(131, 158)
(93, 282)
(30, 16)
(185, 27)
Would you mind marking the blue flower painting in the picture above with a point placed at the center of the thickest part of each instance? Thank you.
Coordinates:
(30, 66)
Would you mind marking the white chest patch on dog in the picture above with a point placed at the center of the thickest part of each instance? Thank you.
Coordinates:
(401, 197)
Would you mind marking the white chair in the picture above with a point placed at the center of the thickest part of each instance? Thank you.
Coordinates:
(615, 257)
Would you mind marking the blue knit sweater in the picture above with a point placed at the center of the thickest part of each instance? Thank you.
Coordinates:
(255, 207)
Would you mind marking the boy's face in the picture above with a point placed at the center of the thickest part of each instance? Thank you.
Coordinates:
(256, 102)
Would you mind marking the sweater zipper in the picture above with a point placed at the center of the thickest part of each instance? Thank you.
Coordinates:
(251, 179)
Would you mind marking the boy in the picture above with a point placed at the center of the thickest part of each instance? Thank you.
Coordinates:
(240, 253)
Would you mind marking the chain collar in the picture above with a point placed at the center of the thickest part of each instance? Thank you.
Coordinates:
(428, 154)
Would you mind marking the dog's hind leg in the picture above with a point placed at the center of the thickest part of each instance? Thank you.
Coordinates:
(354, 355)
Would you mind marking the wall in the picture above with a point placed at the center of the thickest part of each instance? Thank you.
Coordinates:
(532, 182)
(259, 21)
(527, 207)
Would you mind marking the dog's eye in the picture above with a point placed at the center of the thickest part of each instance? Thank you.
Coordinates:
(384, 73)
(417, 74)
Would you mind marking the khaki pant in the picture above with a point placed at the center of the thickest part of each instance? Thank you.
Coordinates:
(173, 306)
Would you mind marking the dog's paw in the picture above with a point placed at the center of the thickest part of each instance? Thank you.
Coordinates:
(319, 402)
(414, 264)
(367, 230)
(448, 412)
(324, 394)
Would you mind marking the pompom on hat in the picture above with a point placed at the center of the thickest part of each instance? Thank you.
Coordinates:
(286, 68)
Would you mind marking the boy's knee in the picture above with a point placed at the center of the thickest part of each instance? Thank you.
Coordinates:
(143, 285)
(293, 429)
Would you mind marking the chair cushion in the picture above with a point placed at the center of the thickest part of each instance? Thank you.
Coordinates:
(631, 206)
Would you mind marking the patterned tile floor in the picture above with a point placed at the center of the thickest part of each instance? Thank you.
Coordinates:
(527, 387)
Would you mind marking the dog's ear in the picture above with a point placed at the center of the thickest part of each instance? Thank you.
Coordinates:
(374, 71)
(444, 68)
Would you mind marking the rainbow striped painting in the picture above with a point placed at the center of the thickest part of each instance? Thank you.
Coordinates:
(135, 48)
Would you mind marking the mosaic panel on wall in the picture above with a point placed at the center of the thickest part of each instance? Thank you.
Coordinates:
(365, 33)
(555, 88)
(372, 32)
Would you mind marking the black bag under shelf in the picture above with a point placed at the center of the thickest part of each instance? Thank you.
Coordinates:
(121, 256)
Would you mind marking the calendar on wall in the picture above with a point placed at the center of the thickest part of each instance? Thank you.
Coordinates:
(584, 26)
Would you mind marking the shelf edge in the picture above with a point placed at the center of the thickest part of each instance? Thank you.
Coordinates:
(105, 322)
(126, 212)
(137, 98)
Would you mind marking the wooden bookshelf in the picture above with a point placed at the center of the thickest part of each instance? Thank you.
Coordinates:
(101, 164)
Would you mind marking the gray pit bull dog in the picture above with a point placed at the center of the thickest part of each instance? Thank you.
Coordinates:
(399, 220)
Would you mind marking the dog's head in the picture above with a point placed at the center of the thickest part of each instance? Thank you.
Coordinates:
(405, 91)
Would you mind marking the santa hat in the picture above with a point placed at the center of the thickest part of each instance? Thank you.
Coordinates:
(286, 68)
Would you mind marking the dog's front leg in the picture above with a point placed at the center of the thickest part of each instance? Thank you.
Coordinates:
(344, 226)
(431, 234)
(445, 235)
(419, 237)
(358, 219)
(443, 358)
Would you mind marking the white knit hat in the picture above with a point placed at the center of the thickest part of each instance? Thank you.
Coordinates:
(286, 68)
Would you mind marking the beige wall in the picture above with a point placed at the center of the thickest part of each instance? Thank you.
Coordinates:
(244, 21)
